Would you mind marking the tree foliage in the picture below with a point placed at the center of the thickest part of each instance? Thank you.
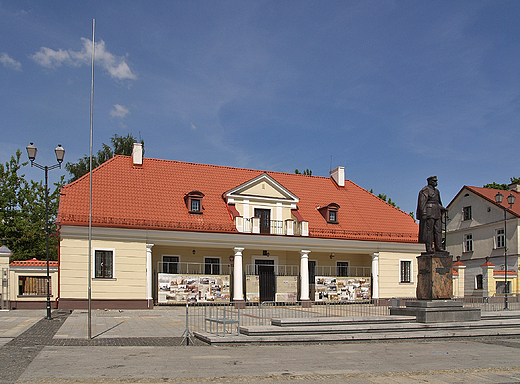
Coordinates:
(121, 145)
(307, 172)
(22, 212)
(504, 186)
(383, 197)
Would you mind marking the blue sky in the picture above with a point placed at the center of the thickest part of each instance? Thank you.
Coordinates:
(394, 91)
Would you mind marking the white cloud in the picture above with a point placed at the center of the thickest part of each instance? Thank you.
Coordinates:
(119, 111)
(9, 62)
(116, 66)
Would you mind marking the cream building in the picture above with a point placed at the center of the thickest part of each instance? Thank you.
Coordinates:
(477, 235)
(167, 232)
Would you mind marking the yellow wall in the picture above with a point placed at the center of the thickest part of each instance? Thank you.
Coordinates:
(129, 280)
(389, 285)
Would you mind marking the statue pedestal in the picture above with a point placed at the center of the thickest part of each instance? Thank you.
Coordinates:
(435, 277)
(434, 293)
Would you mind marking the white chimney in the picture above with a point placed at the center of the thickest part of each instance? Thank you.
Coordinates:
(338, 175)
(137, 154)
(514, 187)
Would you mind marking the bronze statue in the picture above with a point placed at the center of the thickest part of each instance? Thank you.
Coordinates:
(429, 213)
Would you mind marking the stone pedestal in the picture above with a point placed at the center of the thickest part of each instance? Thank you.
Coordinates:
(434, 293)
(437, 311)
(435, 277)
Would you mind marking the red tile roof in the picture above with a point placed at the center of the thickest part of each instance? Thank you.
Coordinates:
(489, 195)
(503, 273)
(459, 264)
(152, 196)
(34, 263)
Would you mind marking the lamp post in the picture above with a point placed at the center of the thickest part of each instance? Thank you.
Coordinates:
(60, 154)
(511, 200)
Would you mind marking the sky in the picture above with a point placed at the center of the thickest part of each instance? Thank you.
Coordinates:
(394, 91)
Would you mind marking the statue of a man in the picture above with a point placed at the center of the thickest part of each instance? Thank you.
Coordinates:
(429, 213)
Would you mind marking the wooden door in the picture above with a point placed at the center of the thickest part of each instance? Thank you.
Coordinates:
(265, 219)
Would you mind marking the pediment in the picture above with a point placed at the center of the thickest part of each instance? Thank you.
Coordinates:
(262, 187)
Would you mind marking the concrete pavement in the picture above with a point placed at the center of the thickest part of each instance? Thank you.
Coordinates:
(143, 346)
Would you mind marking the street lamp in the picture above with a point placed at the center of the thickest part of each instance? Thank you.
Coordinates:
(511, 200)
(60, 154)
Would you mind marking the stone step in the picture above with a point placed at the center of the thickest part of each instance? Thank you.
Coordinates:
(266, 330)
(360, 336)
(314, 321)
(381, 328)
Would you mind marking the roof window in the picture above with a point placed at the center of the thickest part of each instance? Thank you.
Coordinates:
(193, 202)
(330, 213)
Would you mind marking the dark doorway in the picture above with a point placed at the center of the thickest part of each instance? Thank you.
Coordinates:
(312, 278)
(265, 219)
(267, 279)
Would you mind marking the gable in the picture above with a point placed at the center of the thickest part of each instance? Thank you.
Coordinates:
(263, 187)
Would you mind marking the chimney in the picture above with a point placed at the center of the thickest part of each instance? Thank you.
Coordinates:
(514, 187)
(137, 154)
(338, 175)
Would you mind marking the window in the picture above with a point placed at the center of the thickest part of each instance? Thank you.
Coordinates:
(195, 205)
(468, 243)
(33, 285)
(212, 266)
(501, 287)
(104, 264)
(405, 271)
(330, 213)
(466, 211)
(193, 202)
(342, 269)
(500, 239)
(170, 264)
(479, 282)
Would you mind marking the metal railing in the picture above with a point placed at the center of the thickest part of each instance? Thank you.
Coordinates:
(342, 271)
(193, 268)
(279, 270)
(215, 317)
(201, 315)
(276, 227)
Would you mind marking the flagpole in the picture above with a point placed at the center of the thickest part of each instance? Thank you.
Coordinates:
(90, 195)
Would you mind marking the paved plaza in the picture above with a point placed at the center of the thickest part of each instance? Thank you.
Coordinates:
(144, 347)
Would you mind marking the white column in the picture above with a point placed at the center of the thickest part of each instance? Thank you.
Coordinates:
(304, 273)
(238, 291)
(149, 271)
(375, 275)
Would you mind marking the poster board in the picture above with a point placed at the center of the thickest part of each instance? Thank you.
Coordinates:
(328, 288)
(252, 288)
(286, 289)
(182, 288)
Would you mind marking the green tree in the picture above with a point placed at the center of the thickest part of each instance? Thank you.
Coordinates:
(22, 212)
(121, 145)
(383, 197)
(504, 186)
(307, 172)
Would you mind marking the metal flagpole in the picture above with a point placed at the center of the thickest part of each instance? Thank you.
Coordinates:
(90, 199)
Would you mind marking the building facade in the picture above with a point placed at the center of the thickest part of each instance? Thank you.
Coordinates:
(168, 232)
(477, 235)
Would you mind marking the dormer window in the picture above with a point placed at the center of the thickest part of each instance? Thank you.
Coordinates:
(194, 202)
(330, 213)
(195, 205)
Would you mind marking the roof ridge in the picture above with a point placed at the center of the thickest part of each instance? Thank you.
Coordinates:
(94, 170)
